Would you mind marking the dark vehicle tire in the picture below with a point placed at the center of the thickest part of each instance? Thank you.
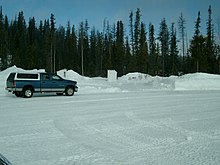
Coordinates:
(19, 94)
(59, 94)
(27, 92)
(69, 91)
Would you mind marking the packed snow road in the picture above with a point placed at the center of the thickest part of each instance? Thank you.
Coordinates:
(139, 127)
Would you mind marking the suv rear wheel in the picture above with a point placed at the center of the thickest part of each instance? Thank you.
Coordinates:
(28, 92)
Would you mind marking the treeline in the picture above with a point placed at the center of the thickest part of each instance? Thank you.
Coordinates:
(91, 52)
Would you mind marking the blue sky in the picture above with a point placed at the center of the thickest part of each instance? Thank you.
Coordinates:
(95, 11)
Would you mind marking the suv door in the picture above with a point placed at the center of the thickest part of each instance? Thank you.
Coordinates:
(57, 83)
(46, 82)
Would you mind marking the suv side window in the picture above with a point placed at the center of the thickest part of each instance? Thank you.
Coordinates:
(11, 77)
(45, 76)
(55, 77)
(27, 76)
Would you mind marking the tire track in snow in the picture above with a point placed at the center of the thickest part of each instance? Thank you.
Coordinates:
(184, 144)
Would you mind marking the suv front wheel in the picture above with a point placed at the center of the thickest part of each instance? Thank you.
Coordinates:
(69, 91)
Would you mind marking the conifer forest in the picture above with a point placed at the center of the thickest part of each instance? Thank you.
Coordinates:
(140, 48)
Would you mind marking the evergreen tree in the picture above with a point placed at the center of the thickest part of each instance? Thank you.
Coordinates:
(53, 45)
(61, 58)
(32, 47)
(137, 31)
(6, 49)
(131, 31)
(211, 59)
(1, 38)
(164, 42)
(152, 51)
(94, 62)
(100, 57)
(182, 32)
(87, 58)
(109, 36)
(20, 57)
(3, 58)
(81, 46)
(40, 41)
(197, 49)
(46, 47)
(128, 57)
(68, 54)
(74, 51)
(119, 49)
(173, 51)
(159, 60)
(142, 59)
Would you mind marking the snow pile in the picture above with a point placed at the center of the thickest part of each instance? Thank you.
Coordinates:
(198, 81)
(148, 82)
(135, 76)
(195, 81)
(70, 74)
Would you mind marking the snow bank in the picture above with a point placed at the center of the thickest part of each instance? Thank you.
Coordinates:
(132, 82)
(195, 81)
(198, 81)
(149, 82)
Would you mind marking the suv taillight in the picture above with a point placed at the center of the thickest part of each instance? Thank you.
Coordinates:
(14, 83)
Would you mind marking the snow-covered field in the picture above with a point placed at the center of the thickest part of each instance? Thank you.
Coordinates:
(138, 119)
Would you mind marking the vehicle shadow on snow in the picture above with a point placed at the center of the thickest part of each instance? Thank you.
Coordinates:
(37, 95)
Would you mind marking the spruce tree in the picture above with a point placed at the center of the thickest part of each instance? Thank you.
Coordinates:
(173, 51)
(128, 57)
(5, 56)
(152, 50)
(20, 52)
(197, 49)
(211, 59)
(119, 49)
(131, 31)
(164, 45)
(40, 41)
(81, 46)
(32, 47)
(2, 55)
(46, 46)
(68, 45)
(182, 32)
(142, 58)
(53, 45)
(61, 49)
(137, 31)
(94, 62)
(74, 51)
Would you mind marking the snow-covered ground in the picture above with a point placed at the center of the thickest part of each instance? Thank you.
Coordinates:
(138, 119)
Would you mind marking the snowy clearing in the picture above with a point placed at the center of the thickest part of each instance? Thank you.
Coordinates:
(139, 119)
